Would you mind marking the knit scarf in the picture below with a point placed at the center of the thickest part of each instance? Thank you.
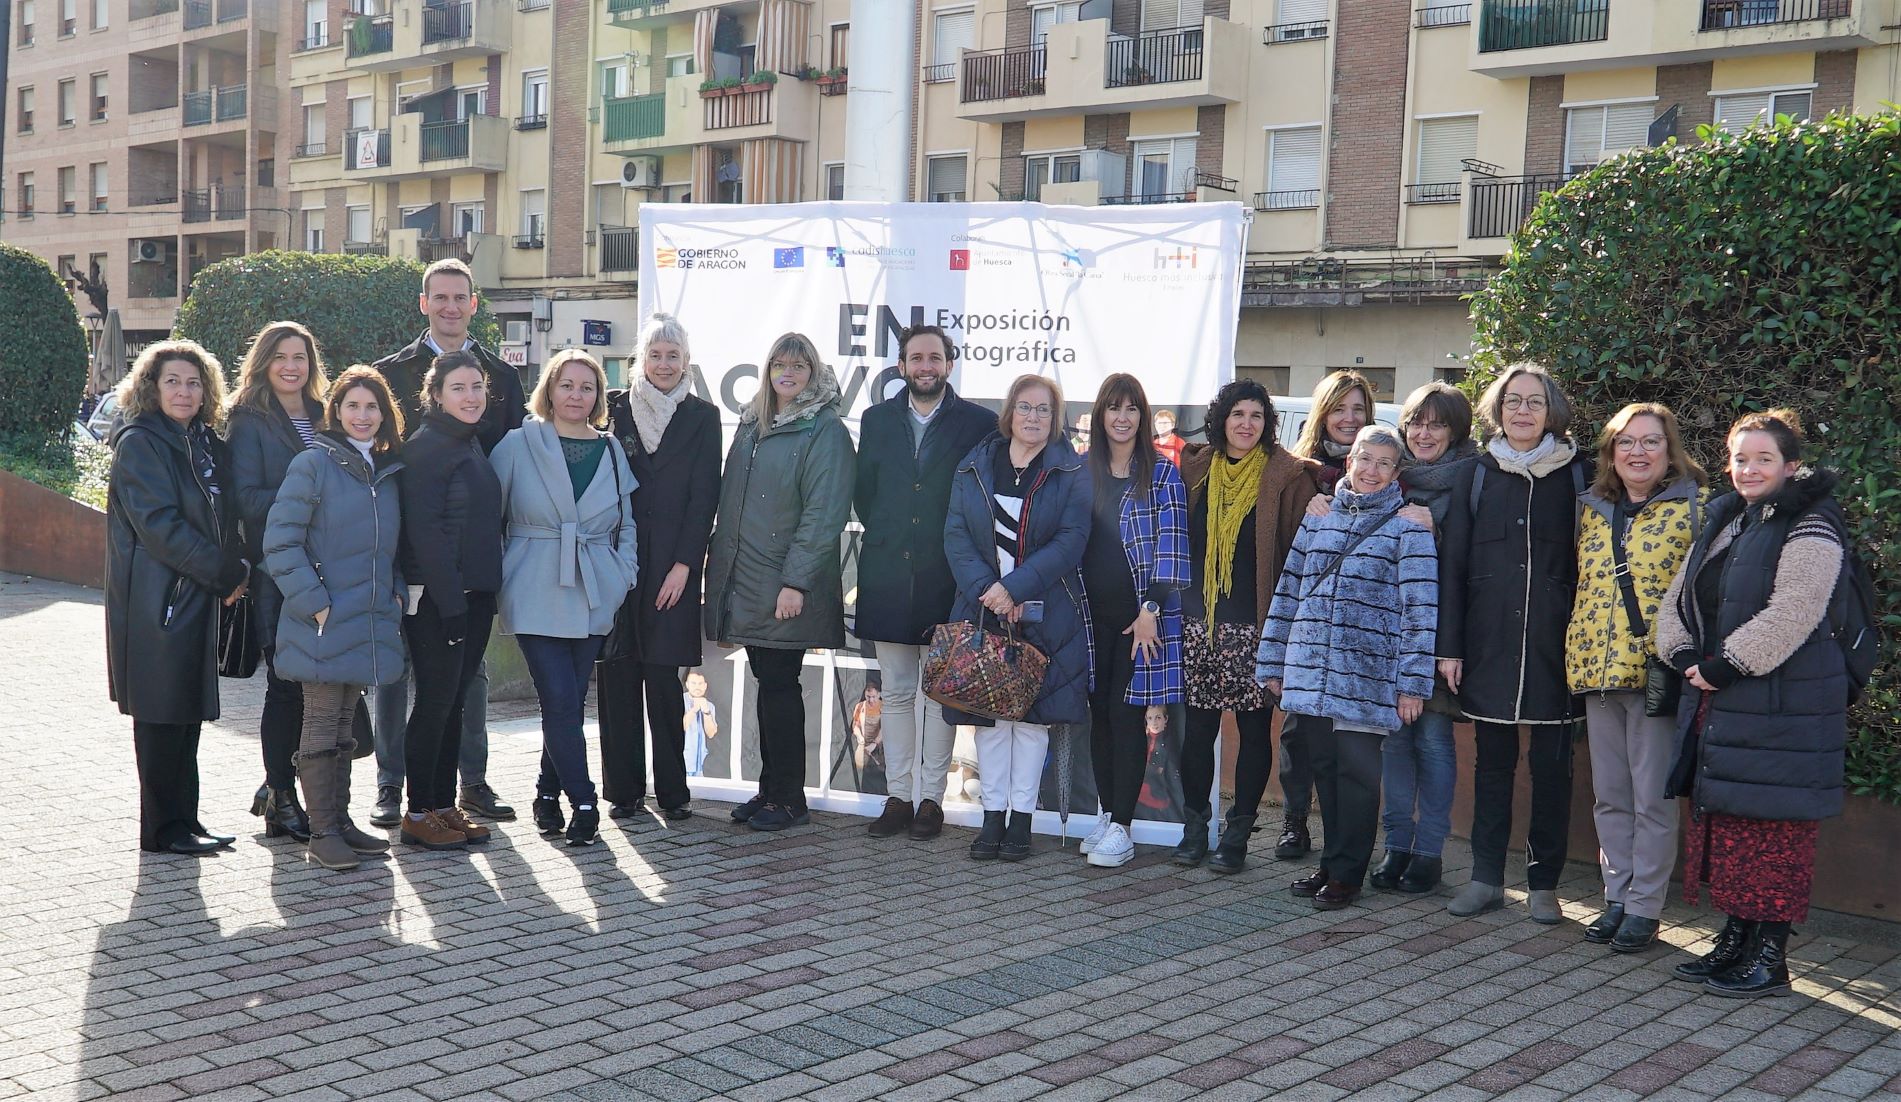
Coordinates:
(1233, 489)
(653, 410)
(1333, 450)
(1503, 451)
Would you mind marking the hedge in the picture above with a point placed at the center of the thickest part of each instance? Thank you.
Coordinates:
(1742, 273)
(360, 308)
(42, 353)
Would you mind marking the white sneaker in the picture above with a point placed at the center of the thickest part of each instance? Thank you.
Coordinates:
(1116, 848)
(1096, 834)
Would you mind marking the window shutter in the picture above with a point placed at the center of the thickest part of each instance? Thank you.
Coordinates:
(1443, 145)
(1299, 11)
(946, 177)
(1584, 137)
(1164, 15)
(1797, 105)
(1741, 112)
(1294, 160)
(1627, 126)
(955, 34)
(1182, 163)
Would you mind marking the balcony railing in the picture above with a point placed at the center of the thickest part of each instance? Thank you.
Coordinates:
(633, 117)
(198, 13)
(620, 249)
(1322, 280)
(1004, 74)
(317, 41)
(1501, 204)
(738, 109)
(1433, 193)
(1295, 32)
(633, 9)
(355, 152)
(197, 205)
(228, 202)
(372, 34)
(197, 108)
(531, 122)
(232, 10)
(444, 141)
(447, 22)
(530, 241)
(311, 149)
(156, 197)
(366, 248)
(146, 9)
(940, 74)
(1294, 199)
(1444, 15)
(233, 101)
(432, 249)
(1151, 197)
(1528, 24)
(533, 5)
(1721, 15)
(1154, 57)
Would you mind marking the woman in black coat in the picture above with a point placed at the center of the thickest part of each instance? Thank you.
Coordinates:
(672, 440)
(171, 555)
(280, 392)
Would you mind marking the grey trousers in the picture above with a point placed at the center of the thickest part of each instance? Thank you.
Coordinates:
(917, 741)
(1631, 758)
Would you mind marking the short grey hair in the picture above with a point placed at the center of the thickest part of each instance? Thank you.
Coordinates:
(1382, 436)
(663, 327)
(1557, 406)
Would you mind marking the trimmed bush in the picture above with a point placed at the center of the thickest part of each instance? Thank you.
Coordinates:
(361, 308)
(42, 353)
(1743, 273)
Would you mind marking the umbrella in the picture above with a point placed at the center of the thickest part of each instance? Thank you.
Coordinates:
(1064, 733)
(108, 357)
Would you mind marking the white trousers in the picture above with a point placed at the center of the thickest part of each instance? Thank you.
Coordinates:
(906, 740)
(1010, 760)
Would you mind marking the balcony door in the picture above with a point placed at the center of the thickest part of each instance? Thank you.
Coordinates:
(1164, 169)
(1045, 16)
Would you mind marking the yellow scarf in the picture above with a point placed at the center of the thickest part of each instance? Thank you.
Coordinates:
(1233, 489)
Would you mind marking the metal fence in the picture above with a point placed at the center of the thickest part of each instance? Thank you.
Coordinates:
(1528, 24)
(444, 141)
(1501, 204)
(620, 249)
(1723, 14)
(1444, 15)
(1154, 57)
(1004, 74)
(447, 22)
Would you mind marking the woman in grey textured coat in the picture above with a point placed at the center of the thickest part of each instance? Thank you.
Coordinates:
(330, 545)
(772, 572)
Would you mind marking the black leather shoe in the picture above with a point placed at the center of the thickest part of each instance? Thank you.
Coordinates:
(1295, 842)
(225, 840)
(1335, 896)
(1725, 953)
(1392, 867)
(675, 814)
(1605, 928)
(989, 840)
(1016, 838)
(547, 813)
(194, 845)
(744, 812)
(388, 810)
(1763, 969)
(619, 811)
(1635, 935)
(480, 799)
(1309, 885)
(1422, 875)
(894, 820)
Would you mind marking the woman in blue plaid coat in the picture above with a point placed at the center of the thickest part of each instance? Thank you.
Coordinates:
(1135, 563)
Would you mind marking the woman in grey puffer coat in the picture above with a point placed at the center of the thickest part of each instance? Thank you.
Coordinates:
(330, 544)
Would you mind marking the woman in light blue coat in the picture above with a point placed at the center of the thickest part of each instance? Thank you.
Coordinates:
(567, 564)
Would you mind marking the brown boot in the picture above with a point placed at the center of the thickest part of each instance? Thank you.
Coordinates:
(317, 772)
(457, 819)
(430, 832)
(928, 823)
(358, 840)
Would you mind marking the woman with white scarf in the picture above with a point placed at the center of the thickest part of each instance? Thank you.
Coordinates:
(672, 440)
(1508, 567)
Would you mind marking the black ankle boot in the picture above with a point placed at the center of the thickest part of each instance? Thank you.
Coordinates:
(1016, 837)
(1194, 845)
(1295, 843)
(284, 815)
(1231, 854)
(1724, 955)
(990, 839)
(1763, 971)
(1422, 875)
(1392, 867)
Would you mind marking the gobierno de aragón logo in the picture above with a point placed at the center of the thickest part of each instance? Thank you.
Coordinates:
(715, 258)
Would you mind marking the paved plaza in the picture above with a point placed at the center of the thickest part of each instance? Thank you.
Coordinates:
(701, 960)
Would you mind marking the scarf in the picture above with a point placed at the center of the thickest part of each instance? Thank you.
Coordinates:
(1233, 489)
(1551, 454)
(1430, 484)
(1333, 450)
(653, 410)
(822, 391)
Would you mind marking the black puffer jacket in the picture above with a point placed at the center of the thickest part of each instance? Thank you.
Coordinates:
(261, 442)
(507, 405)
(171, 555)
(452, 514)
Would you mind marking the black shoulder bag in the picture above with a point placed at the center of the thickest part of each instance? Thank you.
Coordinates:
(623, 642)
(1663, 686)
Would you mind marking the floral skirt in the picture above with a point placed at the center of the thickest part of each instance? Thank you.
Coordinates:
(1758, 870)
(1218, 666)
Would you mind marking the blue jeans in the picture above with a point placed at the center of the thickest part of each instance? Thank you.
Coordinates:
(1418, 774)
(389, 716)
(560, 669)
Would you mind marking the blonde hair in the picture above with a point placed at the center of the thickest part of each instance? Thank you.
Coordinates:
(542, 401)
(797, 345)
(138, 391)
(1006, 418)
(1329, 396)
(1610, 487)
(254, 376)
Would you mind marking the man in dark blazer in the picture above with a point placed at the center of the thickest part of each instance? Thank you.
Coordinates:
(448, 300)
(909, 446)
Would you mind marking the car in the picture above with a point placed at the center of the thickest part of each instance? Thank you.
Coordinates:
(1293, 413)
(100, 423)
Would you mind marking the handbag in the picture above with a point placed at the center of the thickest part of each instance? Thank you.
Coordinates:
(362, 730)
(1663, 686)
(238, 646)
(623, 639)
(993, 674)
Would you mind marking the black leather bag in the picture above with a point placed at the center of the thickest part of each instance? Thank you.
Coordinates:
(361, 729)
(238, 646)
(623, 640)
(1663, 686)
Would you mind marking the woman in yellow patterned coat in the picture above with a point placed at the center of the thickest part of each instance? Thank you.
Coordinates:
(1644, 509)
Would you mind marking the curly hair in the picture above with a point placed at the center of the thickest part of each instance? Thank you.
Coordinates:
(138, 391)
(388, 434)
(1232, 394)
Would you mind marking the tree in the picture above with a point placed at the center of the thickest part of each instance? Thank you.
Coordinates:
(1747, 272)
(360, 308)
(42, 352)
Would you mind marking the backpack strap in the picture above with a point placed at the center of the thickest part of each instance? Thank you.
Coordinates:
(1478, 487)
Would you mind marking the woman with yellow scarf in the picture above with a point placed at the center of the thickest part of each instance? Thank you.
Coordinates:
(1246, 495)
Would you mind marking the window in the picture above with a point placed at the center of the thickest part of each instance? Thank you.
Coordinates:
(534, 94)
(680, 65)
(23, 111)
(1293, 169)
(1044, 17)
(98, 186)
(1741, 111)
(356, 225)
(1051, 168)
(68, 103)
(313, 129)
(1167, 15)
(533, 216)
(465, 219)
(841, 45)
(361, 117)
(617, 80)
(316, 25)
(748, 60)
(835, 182)
(101, 14)
(952, 33)
(944, 179)
(1444, 146)
(68, 18)
(66, 268)
(1163, 168)
(1295, 20)
(26, 195)
(101, 88)
(313, 229)
(69, 190)
(470, 101)
(1595, 134)
(610, 205)
(26, 22)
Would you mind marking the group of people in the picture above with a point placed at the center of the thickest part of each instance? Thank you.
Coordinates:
(1370, 586)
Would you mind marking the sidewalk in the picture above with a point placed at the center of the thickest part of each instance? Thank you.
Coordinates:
(700, 959)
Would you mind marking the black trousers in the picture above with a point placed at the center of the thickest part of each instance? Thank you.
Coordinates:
(1254, 759)
(1494, 773)
(781, 724)
(1346, 768)
(282, 725)
(1118, 736)
(621, 688)
(433, 738)
(168, 782)
(1297, 767)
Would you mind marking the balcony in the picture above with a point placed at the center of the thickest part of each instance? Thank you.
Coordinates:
(1418, 194)
(1082, 69)
(1722, 15)
(419, 32)
(221, 203)
(364, 153)
(619, 250)
(642, 15)
(412, 149)
(683, 116)
(634, 118)
(1520, 38)
(1532, 24)
(1287, 199)
(198, 13)
(230, 102)
(1500, 204)
(737, 107)
(370, 36)
(197, 108)
(1443, 15)
(151, 9)
(1336, 281)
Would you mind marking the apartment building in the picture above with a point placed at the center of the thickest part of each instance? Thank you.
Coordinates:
(142, 138)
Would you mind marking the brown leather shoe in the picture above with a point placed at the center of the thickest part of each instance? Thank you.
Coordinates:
(893, 821)
(1335, 896)
(928, 823)
(456, 819)
(1309, 884)
(430, 832)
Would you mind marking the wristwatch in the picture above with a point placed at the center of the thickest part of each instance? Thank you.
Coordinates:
(1152, 609)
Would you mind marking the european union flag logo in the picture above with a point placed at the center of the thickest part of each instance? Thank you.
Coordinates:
(789, 258)
(835, 256)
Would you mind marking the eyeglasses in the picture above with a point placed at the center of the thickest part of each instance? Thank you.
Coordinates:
(788, 366)
(1382, 465)
(1535, 403)
(1041, 413)
(1627, 444)
(1428, 426)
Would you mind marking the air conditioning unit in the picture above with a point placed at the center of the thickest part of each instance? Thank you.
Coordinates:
(640, 172)
(148, 252)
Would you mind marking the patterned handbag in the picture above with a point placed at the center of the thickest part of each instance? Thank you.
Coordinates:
(984, 673)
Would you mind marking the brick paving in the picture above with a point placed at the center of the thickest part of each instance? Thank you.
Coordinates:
(701, 960)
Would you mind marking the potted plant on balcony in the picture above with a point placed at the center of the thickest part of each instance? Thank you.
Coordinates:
(835, 75)
(1135, 74)
(714, 87)
(362, 35)
(808, 72)
(758, 80)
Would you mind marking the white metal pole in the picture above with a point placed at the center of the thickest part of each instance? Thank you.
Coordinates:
(878, 108)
